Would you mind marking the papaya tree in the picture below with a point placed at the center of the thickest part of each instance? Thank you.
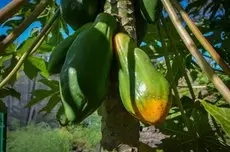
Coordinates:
(153, 31)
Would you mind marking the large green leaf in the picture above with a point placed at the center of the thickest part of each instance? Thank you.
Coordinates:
(3, 59)
(44, 48)
(38, 96)
(30, 70)
(40, 64)
(56, 35)
(9, 92)
(10, 49)
(202, 137)
(25, 46)
(220, 114)
(53, 101)
(52, 84)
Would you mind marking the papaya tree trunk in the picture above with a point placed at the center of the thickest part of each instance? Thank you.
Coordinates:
(120, 131)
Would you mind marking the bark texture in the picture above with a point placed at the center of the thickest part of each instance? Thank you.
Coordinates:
(123, 10)
(120, 131)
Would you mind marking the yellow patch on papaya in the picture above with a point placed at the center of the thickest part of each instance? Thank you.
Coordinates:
(152, 111)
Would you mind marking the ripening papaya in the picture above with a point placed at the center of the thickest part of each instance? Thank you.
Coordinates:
(84, 75)
(58, 55)
(151, 10)
(78, 12)
(144, 91)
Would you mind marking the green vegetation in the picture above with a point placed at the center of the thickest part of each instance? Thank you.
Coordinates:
(198, 119)
(42, 138)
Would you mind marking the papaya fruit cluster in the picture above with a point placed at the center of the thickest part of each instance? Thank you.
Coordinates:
(84, 60)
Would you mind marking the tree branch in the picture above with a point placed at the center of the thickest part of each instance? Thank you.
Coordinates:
(10, 9)
(18, 31)
(202, 39)
(34, 45)
(220, 86)
(194, 87)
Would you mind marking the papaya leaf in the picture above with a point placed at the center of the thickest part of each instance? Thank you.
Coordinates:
(39, 64)
(53, 101)
(177, 74)
(3, 59)
(38, 96)
(8, 66)
(220, 114)
(10, 49)
(52, 84)
(29, 69)
(203, 136)
(24, 46)
(9, 92)
(44, 48)
(57, 36)
(193, 74)
(154, 51)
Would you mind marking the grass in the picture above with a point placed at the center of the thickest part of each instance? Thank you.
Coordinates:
(42, 138)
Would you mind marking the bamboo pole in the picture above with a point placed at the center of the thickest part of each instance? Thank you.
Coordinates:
(202, 39)
(33, 46)
(10, 9)
(220, 86)
(18, 31)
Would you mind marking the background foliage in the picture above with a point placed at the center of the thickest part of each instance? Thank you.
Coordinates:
(207, 127)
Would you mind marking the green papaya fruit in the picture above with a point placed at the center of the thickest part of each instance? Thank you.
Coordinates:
(143, 90)
(78, 12)
(84, 75)
(58, 55)
(150, 10)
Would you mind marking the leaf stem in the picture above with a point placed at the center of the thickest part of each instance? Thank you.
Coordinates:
(18, 31)
(31, 48)
(40, 41)
(173, 84)
(207, 70)
(201, 38)
(181, 64)
(10, 9)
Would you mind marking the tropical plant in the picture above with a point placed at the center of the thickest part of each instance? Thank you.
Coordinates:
(192, 54)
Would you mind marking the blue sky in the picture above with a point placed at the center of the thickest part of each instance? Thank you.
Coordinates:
(26, 33)
(2, 4)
